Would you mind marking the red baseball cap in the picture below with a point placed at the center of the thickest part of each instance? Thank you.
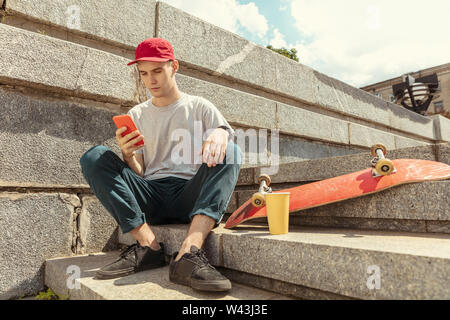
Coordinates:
(153, 49)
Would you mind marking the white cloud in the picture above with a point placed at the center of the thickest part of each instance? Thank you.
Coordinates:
(227, 14)
(278, 39)
(250, 18)
(362, 42)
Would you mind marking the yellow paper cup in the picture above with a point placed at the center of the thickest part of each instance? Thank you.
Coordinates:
(277, 208)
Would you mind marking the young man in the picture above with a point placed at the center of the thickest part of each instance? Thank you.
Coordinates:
(152, 186)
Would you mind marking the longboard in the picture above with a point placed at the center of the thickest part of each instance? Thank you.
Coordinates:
(347, 186)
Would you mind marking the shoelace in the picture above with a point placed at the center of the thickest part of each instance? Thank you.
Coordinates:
(202, 256)
(128, 250)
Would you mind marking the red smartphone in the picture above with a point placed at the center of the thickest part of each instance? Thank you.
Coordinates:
(125, 120)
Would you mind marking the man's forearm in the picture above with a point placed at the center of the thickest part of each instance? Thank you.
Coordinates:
(134, 165)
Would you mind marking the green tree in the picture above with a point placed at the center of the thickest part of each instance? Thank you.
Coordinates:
(292, 54)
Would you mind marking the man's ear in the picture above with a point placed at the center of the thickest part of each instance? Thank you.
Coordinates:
(175, 66)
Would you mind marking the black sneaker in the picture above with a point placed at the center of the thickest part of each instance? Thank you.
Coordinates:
(194, 270)
(133, 259)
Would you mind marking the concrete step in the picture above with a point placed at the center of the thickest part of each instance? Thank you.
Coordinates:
(147, 285)
(416, 207)
(313, 263)
(324, 168)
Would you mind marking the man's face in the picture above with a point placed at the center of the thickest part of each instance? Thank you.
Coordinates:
(158, 77)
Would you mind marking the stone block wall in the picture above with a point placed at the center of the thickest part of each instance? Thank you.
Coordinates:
(63, 75)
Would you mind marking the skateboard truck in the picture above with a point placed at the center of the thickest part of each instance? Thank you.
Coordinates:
(258, 199)
(380, 165)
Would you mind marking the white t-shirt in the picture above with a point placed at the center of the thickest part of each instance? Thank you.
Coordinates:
(174, 134)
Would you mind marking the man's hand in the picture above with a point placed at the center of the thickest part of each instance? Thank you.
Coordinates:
(214, 148)
(127, 143)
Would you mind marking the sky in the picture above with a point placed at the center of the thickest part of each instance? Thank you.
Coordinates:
(359, 42)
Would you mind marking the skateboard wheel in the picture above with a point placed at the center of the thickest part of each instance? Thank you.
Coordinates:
(384, 167)
(377, 146)
(264, 177)
(258, 199)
